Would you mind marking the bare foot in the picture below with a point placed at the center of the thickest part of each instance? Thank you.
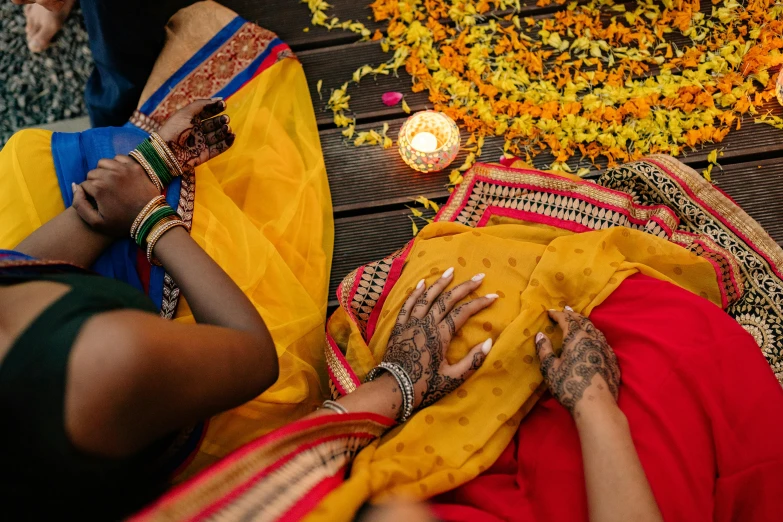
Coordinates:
(43, 24)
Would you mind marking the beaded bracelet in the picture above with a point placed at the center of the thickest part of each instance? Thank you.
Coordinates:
(161, 228)
(154, 203)
(153, 218)
(168, 155)
(147, 169)
(403, 380)
(334, 406)
(147, 150)
(146, 223)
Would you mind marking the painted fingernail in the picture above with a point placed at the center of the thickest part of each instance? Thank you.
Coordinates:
(73, 187)
(492, 296)
(477, 277)
(217, 99)
(569, 308)
(420, 284)
(487, 346)
(539, 337)
(448, 273)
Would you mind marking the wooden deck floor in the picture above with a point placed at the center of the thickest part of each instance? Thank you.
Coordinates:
(370, 186)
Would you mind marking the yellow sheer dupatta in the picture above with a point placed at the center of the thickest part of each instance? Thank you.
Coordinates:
(262, 210)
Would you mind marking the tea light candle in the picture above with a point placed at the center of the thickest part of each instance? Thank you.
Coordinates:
(429, 141)
(424, 142)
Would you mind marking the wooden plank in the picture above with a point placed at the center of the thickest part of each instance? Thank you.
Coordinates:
(288, 18)
(757, 186)
(370, 177)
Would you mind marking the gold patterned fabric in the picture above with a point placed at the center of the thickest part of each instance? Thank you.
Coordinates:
(708, 221)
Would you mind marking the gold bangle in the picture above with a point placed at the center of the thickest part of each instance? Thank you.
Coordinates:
(167, 152)
(154, 202)
(172, 169)
(149, 214)
(148, 169)
(157, 234)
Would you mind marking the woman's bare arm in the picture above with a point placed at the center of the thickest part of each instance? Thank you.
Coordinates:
(586, 380)
(66, 238)
(617, 488)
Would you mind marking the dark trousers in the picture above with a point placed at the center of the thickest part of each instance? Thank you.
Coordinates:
(126, 37)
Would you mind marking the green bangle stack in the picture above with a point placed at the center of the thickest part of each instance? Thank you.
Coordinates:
(150, 221)
(157, 163)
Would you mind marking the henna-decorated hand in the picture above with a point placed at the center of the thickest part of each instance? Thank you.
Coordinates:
(587, 366)
(425, 326)
(198, 132)
(113, 195)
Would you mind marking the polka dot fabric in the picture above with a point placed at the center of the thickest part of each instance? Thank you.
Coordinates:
(537, 268)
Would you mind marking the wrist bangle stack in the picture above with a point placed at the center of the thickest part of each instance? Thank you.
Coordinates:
(135, 154)
(166, 153)
(405, 383)
(334, 406)
(157, 160)
(154, 220)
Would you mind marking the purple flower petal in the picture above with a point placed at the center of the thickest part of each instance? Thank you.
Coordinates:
(391, 98)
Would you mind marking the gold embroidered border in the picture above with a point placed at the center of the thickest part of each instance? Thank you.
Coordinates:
(728, 210)
(224, 480)
(216, 71)
(338, 370)
(548, 182)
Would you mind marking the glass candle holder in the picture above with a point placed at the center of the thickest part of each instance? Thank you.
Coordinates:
(429, 141)
(779, 87)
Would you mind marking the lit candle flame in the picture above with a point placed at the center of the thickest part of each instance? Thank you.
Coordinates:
(425, 142)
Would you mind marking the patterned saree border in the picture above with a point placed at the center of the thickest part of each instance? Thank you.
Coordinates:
(340, 372)
(590, 192)
(235, 55)
(723, 209)
(270, 476)
(355, 294)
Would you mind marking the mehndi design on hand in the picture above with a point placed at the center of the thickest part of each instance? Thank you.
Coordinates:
(585, 354)
(425, 326)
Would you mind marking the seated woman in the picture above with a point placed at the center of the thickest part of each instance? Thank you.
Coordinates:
(104, 397)
(677, 420)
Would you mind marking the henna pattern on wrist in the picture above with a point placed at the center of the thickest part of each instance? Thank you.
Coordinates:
(418, 339)
(190, 144)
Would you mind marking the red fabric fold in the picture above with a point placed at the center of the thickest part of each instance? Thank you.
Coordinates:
(705, 412)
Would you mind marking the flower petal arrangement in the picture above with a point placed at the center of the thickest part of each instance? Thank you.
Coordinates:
(603, 82)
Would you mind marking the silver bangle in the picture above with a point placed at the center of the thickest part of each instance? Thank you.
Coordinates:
(405, 383)
(334, 406)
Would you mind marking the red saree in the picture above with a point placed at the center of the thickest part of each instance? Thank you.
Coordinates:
(703, 408)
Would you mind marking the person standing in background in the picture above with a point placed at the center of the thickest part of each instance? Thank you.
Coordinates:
(125, 39)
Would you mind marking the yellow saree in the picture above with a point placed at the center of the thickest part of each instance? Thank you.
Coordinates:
(262, 210)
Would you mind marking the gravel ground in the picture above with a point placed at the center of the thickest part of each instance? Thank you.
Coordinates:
(40, 88)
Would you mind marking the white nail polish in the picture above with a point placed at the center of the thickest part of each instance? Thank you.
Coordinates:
(448, 273)
(539, 337)
(569, 308)
(420, 284)
(478, 277)
(73, 187)
(492, 296)
(487, 346)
